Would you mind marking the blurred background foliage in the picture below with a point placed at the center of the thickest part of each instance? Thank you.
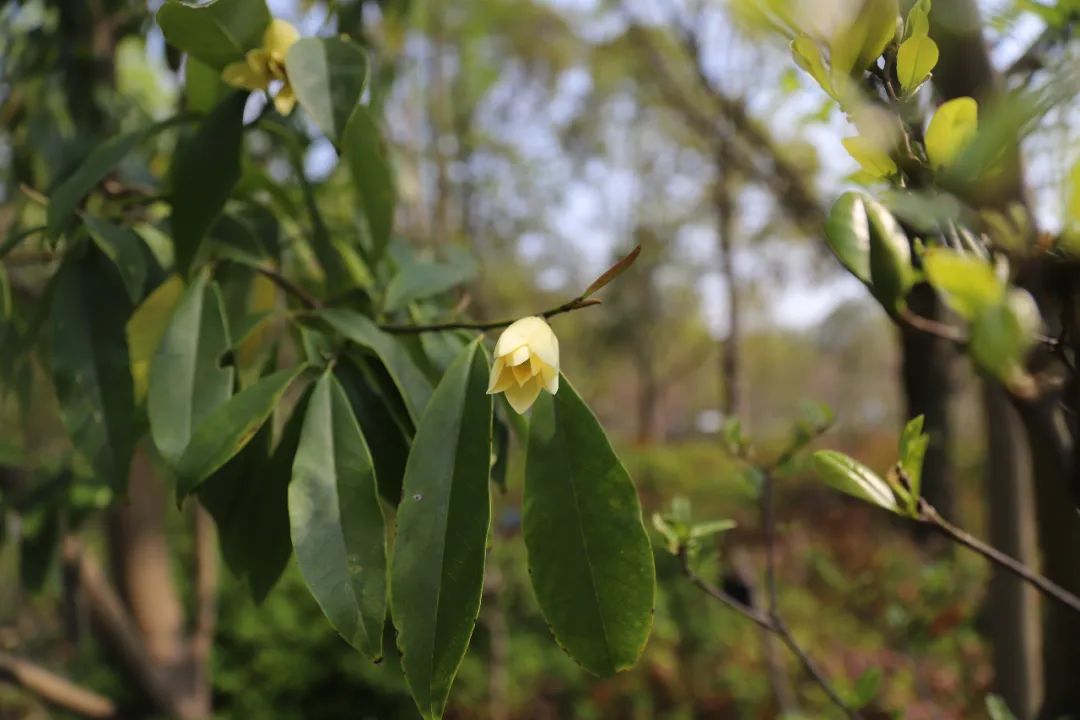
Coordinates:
(547, 137)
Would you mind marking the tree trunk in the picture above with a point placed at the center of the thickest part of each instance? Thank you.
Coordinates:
(1011, 604)
(927, 391)
(725, 241)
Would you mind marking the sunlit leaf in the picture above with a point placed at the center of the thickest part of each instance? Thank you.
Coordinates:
(967, 284)
(915, 59)
(952, 127)
(848, 475)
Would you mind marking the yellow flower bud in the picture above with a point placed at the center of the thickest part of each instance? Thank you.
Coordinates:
(526, 360)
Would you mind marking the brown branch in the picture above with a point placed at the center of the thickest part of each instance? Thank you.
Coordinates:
(53, 689)
(1043, 584)
(577, 303)
(309, 301)
(119, 629)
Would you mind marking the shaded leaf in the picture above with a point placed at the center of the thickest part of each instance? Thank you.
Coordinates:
(363, 148)
(437, 571)
(328, 77)
(216, 33)
(126, 250)
(420, 280)
(146, 328)
(590, 560)
(336, 519)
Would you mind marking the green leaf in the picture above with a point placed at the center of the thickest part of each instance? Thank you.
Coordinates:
(1003, 333)
(188, 380)
(872, 28)
(230, 427)
(915, 59)
(373, 397)
(848, 233)
(866, 688)
(874, 161)
(91, 371)
(417, 281)
(590, 560)
(126, 250)
(407, 376)
(217, 33)
(203, 86)
(248, 499)
(336, 519)
(913, 444)
(807, 55)
(951, 129)
(437, 571)
(328, 76)
(66, 196)
(363, 148)
(967, 284)
(712, 527)
(998, 709)
(917, 23)
(891, 274)
(205, 168)
(848, 475)
(146, 328)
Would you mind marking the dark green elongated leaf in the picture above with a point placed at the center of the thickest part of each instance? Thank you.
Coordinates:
(410, 379)
(437, 572)
(249, 499)
(373, 411)
(90, 364)
(187, 379)
(37, 546)
(66, 196)
(336, 519)
(328, 76)
(848, 234)
(217, 33)
(126, 249)
(203, 86)
(363, 148)
(422, 280)
(206, 167)
(230, 427)
(589, 555)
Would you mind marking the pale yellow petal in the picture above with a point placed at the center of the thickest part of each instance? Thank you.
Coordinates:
(285, 100)
(536, 365)
(496, 373)
(258, 60)
(521, 397)
(519, 333)
(550, 377)
(279, 37)
(546, 345)
(518, 357)
(239, 74)
(504, 381)
(522, 373)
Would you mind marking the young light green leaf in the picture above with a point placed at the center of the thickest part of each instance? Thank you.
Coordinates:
(337, 522)
(952, 127)
(90, 366)
(216, 33)
(363, 149)
(874, 161)
(917, 23)
(328, 77)
(409, 379)
(852, 477)
(589, 556)
(437, 571)
(807, 55)
(146, 328)
(872, 28)
(187, 378)
(915, 59)
(848, 233)
(866, 688)
(998, 709)
(612, 272)
(226, 430)
(712, 527)
(967, 284)
(205, 168)
(126, 250)
(891, 274)
(1002, 334)
(913, 444)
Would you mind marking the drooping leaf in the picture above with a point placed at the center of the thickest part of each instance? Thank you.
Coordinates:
(437, 571)
(419, 280)
(248, 498)
(187, 378)
(216, 33)
(952, 127)
(590, 560)
(409, 379)
(90, 365)
(967, 284)
(336, 519)
(328, 76)
(205, 168)
(915, 59)
(127, 251)
(227, 429)
(363, 148)
(146, 328)
(848, 233)
(848, 475)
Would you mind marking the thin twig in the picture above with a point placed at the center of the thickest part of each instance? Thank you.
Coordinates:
(1044, 584)
(576, 304)
(57, 691)
(951, 332)
(719, 595)
(309, 301)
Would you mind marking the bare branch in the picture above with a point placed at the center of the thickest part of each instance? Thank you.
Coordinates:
(54, 689)
(577, 303)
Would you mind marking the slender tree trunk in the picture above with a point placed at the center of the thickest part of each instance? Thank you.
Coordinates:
(927, 389)
(729, 348)
(1012, 605)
